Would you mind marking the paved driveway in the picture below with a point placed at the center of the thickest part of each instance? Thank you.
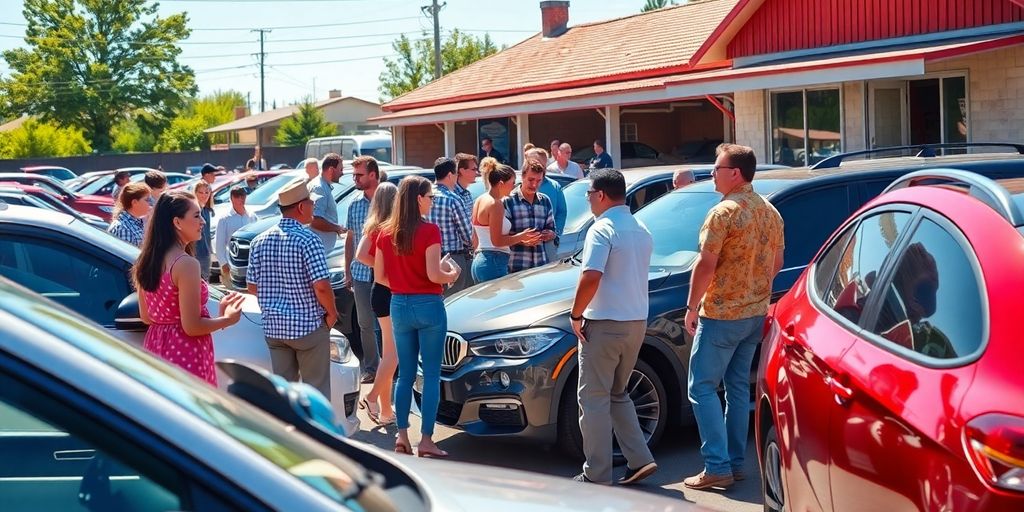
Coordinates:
(678, 456)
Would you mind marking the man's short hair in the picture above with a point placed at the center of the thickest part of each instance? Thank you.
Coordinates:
(609, 181)
(443, 167)
(556, 143)
(565, 146)
(369, 162)
(462, 160)
(155, 179)
(534, 167)
(540, 155)
(120, 175)
(207, 169)
(741, 157)
(331, 160)
(311, 160)
(486, 139)
(239, 192)
(600, 142)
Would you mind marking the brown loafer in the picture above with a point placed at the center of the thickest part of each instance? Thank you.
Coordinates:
(706, 481)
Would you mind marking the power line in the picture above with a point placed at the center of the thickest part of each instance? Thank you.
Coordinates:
(290, 27)
(339, 60)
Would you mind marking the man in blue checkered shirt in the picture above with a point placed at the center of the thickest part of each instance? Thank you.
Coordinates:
(359, 277)
(527, 208)
(449, 213)
(288, 274)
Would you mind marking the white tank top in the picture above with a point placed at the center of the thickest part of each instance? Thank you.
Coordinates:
(483, 235)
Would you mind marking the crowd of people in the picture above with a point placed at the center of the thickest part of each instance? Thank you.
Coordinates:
(407, 246)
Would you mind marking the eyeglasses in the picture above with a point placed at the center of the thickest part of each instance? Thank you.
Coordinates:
(591, 191)
(717, 167)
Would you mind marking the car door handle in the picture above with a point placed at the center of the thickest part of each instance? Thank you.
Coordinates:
(842, 393)
(74, 455)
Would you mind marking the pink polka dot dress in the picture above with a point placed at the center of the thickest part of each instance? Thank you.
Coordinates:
(166, 337)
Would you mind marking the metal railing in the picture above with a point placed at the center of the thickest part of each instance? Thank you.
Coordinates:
(983, 189)
(921, 150)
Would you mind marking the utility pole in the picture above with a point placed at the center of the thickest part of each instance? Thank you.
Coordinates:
(433, 11)
(263, 58)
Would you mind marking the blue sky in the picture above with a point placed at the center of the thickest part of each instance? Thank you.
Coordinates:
(358, 33)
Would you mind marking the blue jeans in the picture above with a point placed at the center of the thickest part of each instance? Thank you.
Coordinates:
(723, 349)
(420, 324)
(489, 265)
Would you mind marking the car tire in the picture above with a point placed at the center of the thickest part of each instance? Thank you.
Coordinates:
(648, 391)
(773, 493)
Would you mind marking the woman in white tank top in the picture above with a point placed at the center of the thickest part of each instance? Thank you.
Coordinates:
(492, 227)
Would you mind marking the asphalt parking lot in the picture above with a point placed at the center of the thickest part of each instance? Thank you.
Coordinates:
(678, 456)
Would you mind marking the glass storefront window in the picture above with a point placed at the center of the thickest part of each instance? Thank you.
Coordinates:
(954, 109)
(806, 126)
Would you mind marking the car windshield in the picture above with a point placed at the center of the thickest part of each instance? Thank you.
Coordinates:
(379, 153)
(323, 469)
(576, 206)
(268, 191)
(95, 185)
(674, 221)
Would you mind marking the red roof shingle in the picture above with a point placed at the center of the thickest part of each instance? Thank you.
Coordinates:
(648, 44)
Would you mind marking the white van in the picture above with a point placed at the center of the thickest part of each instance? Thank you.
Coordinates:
(376, 144)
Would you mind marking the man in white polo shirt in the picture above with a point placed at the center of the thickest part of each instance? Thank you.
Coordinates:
(609, 317)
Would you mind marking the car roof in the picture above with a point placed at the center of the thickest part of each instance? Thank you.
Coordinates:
(27, 215)
(43, 168)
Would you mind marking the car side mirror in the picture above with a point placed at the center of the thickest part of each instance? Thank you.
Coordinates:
(127, 317)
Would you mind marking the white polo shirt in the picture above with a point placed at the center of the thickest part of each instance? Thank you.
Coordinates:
(619, 247)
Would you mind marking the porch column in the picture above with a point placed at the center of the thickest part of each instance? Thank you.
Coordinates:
(612, 135)
(522, 136)
(398, 145)
(449, 139)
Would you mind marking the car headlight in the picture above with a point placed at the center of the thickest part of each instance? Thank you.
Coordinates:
(107, 209)
(336, 276)
(341, 351)
(525, 343)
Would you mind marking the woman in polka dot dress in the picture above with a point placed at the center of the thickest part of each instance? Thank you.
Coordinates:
(172, 298)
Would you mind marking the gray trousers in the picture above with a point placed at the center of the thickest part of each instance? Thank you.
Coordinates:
(308, 357)
(606, 361)
(465, 279)
(551, 250)
(367, 326)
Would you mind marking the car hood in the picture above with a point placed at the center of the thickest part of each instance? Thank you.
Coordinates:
(457, 486)
(249, 231)
(516, 300)
(97, 200)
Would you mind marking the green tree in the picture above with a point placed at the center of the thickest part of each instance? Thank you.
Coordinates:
(138, 132)
(36, 139)
(653, 5)
(305, 124)
(87, 62)
(185, 132)
(414, 65)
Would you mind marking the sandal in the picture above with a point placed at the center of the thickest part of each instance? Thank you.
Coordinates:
(432, 455)
(374, 416)
(403, 448)
(385, 421)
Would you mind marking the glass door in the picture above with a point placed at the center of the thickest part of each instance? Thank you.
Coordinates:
(888, 114)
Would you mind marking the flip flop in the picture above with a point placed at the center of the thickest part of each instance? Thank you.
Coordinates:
(432, 455)
(374, 416)
(403, 448)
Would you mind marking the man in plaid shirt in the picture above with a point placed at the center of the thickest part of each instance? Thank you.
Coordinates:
(449, 213)
(527, 208)
(288, 275)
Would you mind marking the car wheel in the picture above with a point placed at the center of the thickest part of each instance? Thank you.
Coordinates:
(649, 399)
(773, 493)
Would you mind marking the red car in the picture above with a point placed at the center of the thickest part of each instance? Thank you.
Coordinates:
(891, 377)
(99, 206)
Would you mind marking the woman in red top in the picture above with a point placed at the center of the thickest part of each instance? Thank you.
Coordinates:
(408, 252)
(172, 294)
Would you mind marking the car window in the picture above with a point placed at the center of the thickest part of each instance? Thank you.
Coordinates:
(860, 261)
(72, 278)
(51, 461)
(645, 151)
(809, 219)
(825, 268)
(647, 193)
(674, 223)
(577, 207)
(348, 149)
(628, 150)
(269, 190)
(933, 303)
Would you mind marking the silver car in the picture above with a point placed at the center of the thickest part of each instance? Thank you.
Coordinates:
(89, 423)
(86, 270)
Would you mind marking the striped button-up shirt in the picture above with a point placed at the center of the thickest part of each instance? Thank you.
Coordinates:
(523, 214)
(357, 213)
(467, 200)
(449, 213)
(284, 262)
(128, 227)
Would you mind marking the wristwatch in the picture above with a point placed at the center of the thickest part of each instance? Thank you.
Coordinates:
(575, 318)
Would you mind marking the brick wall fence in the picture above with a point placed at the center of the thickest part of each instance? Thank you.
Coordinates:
(171, 162)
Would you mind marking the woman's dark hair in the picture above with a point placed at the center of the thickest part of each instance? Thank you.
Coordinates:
(160, 238)
(405, 218)
(129, 193)
(499, 174)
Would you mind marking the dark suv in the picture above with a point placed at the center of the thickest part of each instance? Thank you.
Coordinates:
(509, 367)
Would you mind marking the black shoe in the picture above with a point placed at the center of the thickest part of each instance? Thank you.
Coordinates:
(633, 476)
(582, 477)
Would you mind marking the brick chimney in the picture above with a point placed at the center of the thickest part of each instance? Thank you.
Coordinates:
(334, 93)
(241, 112)
(554, 16)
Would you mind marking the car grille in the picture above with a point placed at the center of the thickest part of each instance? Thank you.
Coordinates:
(238, 251)
(350, 403)
(448, 412)
(503, 417)
(455, 350)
